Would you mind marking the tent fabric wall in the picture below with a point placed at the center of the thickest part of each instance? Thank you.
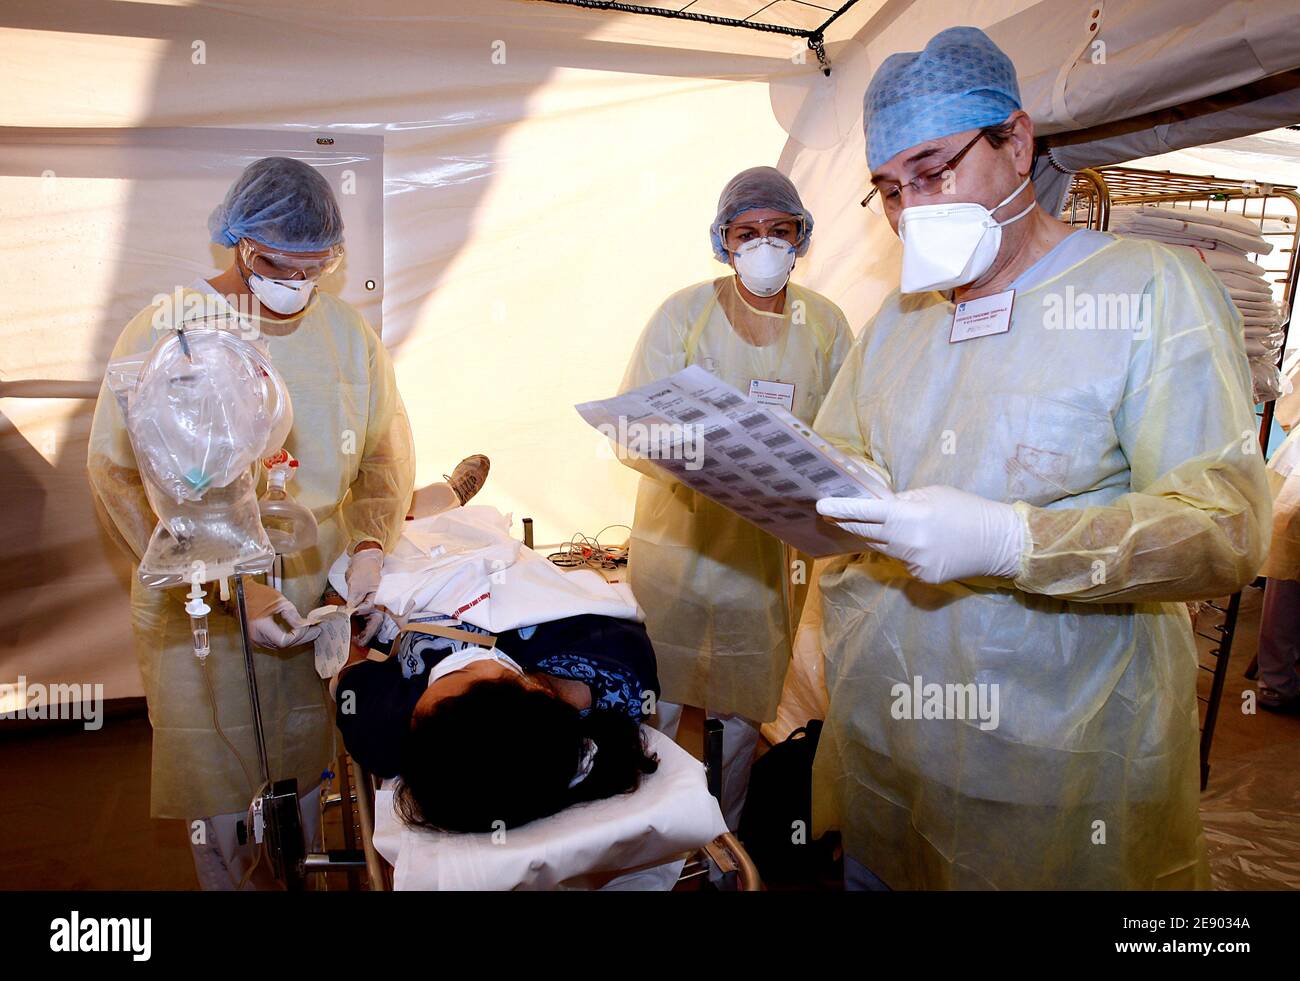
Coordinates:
(1269, 104)
(549, 176)
(1258, 107)
(96, 222)
(1153, 54)
(1272, 157)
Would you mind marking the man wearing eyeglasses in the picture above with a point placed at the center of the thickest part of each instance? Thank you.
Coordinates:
(356, 469)
(1066, 417)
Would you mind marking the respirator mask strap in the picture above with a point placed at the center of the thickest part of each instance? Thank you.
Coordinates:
(1007, 200)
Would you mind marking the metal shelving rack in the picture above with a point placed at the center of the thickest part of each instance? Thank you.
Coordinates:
(1092, 195)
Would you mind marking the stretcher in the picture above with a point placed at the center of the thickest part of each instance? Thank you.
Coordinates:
(670, 830)
(381, 855)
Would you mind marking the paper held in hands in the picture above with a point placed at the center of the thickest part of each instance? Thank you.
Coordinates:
(758, 461)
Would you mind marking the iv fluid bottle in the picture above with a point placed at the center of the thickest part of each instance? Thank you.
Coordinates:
(290, 526)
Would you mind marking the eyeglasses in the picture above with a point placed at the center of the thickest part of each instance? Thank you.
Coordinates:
(275, 264)
(886, 195)
(737, 233)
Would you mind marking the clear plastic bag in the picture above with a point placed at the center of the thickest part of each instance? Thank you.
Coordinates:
(1265, 333)
(1264, 342)
(201, 411)
(1266, 379)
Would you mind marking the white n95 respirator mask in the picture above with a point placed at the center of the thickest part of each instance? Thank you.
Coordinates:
(463, 659)
(764, 265)
(284, 296)
(948, 245)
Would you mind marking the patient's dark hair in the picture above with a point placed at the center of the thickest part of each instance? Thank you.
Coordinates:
(502, 752)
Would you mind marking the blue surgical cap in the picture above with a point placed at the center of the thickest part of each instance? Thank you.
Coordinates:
(758, 187)
(961, 81)
(281, 203)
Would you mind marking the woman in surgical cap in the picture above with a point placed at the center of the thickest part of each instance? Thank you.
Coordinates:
(722, 597)
(355, 472)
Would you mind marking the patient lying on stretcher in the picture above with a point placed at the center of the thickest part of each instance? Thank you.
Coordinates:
(548, 718)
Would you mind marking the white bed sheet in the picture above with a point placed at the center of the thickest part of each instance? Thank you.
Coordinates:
(464, 563)
(637, 841)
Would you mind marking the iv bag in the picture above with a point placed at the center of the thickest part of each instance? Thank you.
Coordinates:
(198, 419)
(201, 411)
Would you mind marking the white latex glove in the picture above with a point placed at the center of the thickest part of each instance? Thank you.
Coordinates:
(939, 533)
(363, 581)
(262, 605)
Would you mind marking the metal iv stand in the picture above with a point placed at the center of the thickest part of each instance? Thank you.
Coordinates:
(276, 819)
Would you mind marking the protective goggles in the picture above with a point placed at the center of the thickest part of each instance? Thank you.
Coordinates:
(734, 234)
(274, 264)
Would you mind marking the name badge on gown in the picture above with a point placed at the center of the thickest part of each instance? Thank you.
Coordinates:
(982, 317)
(772, 393)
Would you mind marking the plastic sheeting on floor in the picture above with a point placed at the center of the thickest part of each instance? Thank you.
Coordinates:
(1249, 812)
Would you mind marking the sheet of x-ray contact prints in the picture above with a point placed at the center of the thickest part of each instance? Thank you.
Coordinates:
(756, 460)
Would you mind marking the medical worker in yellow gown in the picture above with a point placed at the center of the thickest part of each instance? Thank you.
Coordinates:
(716, 590)
(1074, 462)
(1279, 643)
(356, 468)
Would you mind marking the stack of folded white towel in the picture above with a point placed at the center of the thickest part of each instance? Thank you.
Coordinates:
(1223, 242)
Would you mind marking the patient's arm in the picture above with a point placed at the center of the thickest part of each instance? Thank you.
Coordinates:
(576, 693)
(356, 655)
